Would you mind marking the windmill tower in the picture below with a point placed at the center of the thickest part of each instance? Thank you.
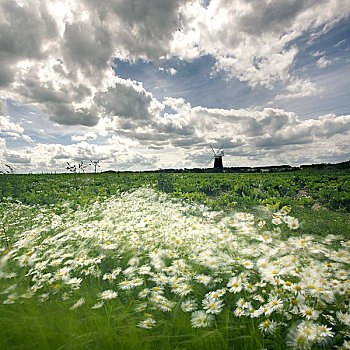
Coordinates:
(218, 165)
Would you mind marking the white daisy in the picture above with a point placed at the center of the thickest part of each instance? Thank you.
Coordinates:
(201, 319)
(108, 294)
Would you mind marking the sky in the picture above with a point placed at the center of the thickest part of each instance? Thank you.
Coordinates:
(153, 84)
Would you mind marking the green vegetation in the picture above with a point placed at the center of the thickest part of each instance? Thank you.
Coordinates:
(331, 190)
(175, 261)
(321, 200)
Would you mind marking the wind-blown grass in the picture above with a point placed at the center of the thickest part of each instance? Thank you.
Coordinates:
(142, 270)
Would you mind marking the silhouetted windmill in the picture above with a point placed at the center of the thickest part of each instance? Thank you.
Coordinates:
(218, 165)
(95, 163)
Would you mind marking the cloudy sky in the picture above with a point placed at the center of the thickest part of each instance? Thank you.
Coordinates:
(148, 84)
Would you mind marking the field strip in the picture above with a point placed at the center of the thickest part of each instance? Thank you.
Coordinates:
(170, 256)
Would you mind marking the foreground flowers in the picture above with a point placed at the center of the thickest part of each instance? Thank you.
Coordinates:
(166, 256)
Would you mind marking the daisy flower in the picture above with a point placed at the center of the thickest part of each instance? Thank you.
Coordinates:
(148, 323)
(188, 305)
(203, 279)
(293, 223)
(201, 319)
(98, 305)
(108, 294)
(126, 284)
(235, 284)
(213, 306)
(143, 294)
(10, 299)
(309, 313)
(268, 327)
(324, 331)
(80, 302)
(182, 289)
(144, 270)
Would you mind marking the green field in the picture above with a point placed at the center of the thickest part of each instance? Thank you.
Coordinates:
(175, 261)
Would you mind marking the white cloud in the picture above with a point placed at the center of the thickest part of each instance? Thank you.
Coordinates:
(87, 136)
(318, 53)
(58, 54)
(6, 126)
(171, 71)
(340, 43)
(265, 133)
(323, 62)
(249, 136)
(64, 60)
(27, 138)
(251, 40)
(298, 89)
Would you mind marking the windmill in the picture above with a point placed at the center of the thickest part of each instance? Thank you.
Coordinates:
(94, 163)
(218, 165)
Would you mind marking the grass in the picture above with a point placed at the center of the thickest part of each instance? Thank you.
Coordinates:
(322, 222)
(51, 326)
(157, 229)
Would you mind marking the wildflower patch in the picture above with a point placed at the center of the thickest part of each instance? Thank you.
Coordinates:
(161, 256)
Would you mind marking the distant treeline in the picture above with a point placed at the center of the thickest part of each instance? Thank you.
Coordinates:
(265, 169)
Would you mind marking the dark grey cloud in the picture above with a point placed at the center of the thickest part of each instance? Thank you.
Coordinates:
(141, 28)
(268, 122)
(68, 60)
(125, 99)
(58, 55)
(7, 74)
(272, 16)
(23, 32)
(17, 158)
(68, 115)
(87, 46)
(276, 141)
(32, 90)
(187, 142)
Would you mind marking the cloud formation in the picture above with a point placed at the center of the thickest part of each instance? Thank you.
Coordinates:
(58, 54)
(244, 131)
(254, 40)
(59, 57)
(298, 88)
(87, 136)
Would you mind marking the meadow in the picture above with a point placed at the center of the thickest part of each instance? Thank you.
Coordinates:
(175, 261)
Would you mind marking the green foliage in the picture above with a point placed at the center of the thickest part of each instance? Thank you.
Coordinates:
(165, 182)
(331, 190)
(326, 192)
(321, 202)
